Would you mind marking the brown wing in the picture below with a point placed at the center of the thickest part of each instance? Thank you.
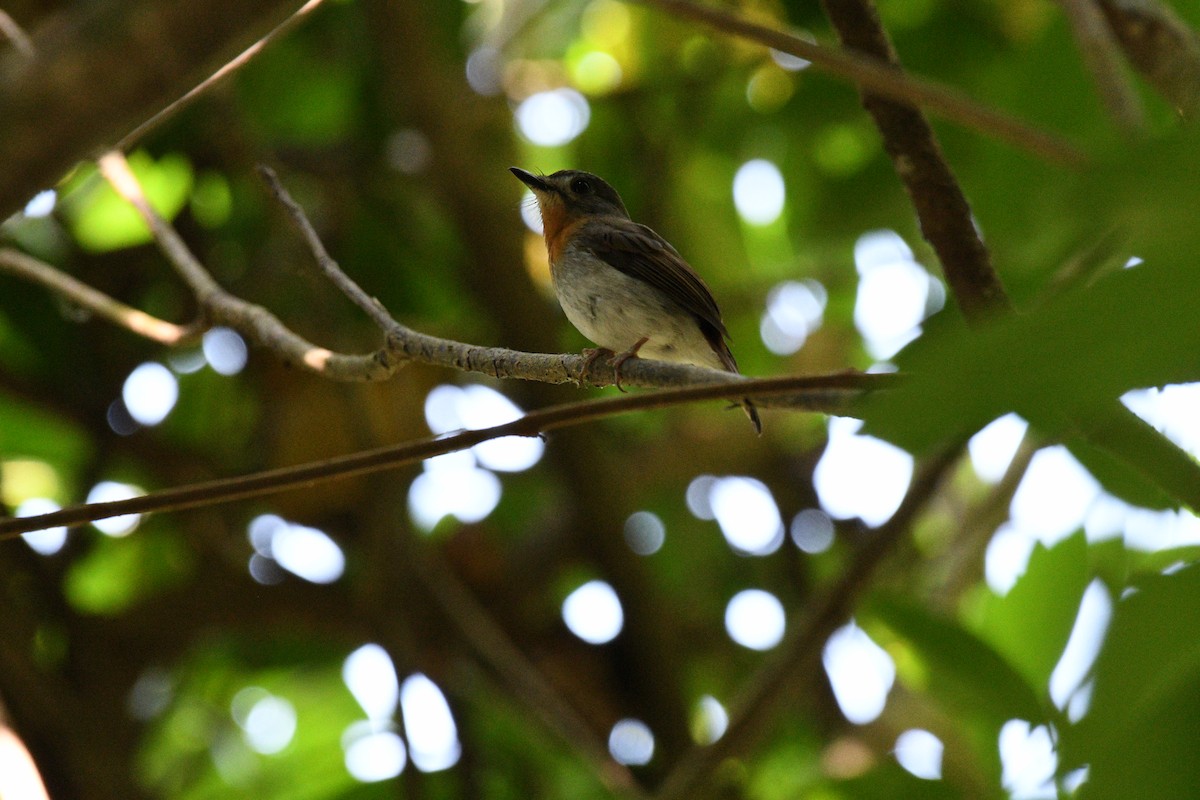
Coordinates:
(641, 253)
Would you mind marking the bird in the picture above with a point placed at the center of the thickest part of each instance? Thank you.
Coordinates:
(622, 285)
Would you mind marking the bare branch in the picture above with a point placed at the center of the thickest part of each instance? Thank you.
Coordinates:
(831, 393)
(370, 306)
(228, 69)
(883, 79)
(1161, 47)
(1100, 49)
(79, 293)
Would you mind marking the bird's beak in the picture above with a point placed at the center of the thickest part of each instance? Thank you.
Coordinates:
(535, 183)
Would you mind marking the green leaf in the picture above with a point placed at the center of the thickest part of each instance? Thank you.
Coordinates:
(102, 221)
(1139, 736)
(965, 672)
(1030, 625)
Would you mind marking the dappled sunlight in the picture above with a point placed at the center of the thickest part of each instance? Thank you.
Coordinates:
(861, 476)
(920, 752)
(1075, 664)
(860, 672)
(593, 612)
(795, 310)
(992, 448)
(303, 551)
(746, 511)
(755, 619)
(1028, 761)
(370, 676)
(268, 722)
(895, 293)
(432, 734)
(631, 742)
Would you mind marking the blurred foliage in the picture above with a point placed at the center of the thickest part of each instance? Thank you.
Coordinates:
(366, 112)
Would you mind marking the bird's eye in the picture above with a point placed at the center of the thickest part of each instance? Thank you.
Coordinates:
(581, 186)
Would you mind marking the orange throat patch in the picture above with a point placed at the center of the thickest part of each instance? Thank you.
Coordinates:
(558, 225)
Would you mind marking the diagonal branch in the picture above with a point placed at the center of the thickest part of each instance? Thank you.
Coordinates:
(1161, 47)
(941, 205)
(92, 299)
(1100, 51)
(832, 394)
(873, 72)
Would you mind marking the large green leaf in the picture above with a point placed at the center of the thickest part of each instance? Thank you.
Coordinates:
(1139, 736)
(1030, 625)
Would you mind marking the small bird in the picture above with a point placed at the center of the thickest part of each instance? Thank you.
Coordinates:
(621, 284)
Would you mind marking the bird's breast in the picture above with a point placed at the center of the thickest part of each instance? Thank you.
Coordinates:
(615, 310)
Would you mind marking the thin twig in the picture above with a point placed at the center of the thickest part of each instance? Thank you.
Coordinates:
(883, 79)
(831, 393)
(798, 663)
(85, 296)
(328, 266)
(1100, 50)
(217, 77)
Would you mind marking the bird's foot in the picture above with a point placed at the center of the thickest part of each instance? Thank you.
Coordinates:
(590, 355)
(619, 360)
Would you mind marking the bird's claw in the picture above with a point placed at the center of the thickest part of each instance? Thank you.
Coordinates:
(618, 360)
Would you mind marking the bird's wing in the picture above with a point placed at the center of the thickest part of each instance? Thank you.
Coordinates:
(641, 253)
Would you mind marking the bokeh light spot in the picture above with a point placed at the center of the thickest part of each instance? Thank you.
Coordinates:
(812, 530)
(150, 392)
(1027, 759)
(893, 293)
(111, 491)
(308, 553)
(631, 742)
(860, 672)
(553, 118)
(993, 448)
(861, 476)
(370, 676)
(372, 755)
(432, 735)
(644, 533)
(747, 514)
(711, 720)
(225, 350)
(759, 192)
(593, 612)
(42, 204)
(48, 541)
(920, 752)
(755, 619)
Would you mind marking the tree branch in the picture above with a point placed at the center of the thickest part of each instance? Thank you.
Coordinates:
(85, 296)
(942, 208)
(873, 72)
(1099, 48)
(1161, 47)
(831, 393)
(101, 68)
